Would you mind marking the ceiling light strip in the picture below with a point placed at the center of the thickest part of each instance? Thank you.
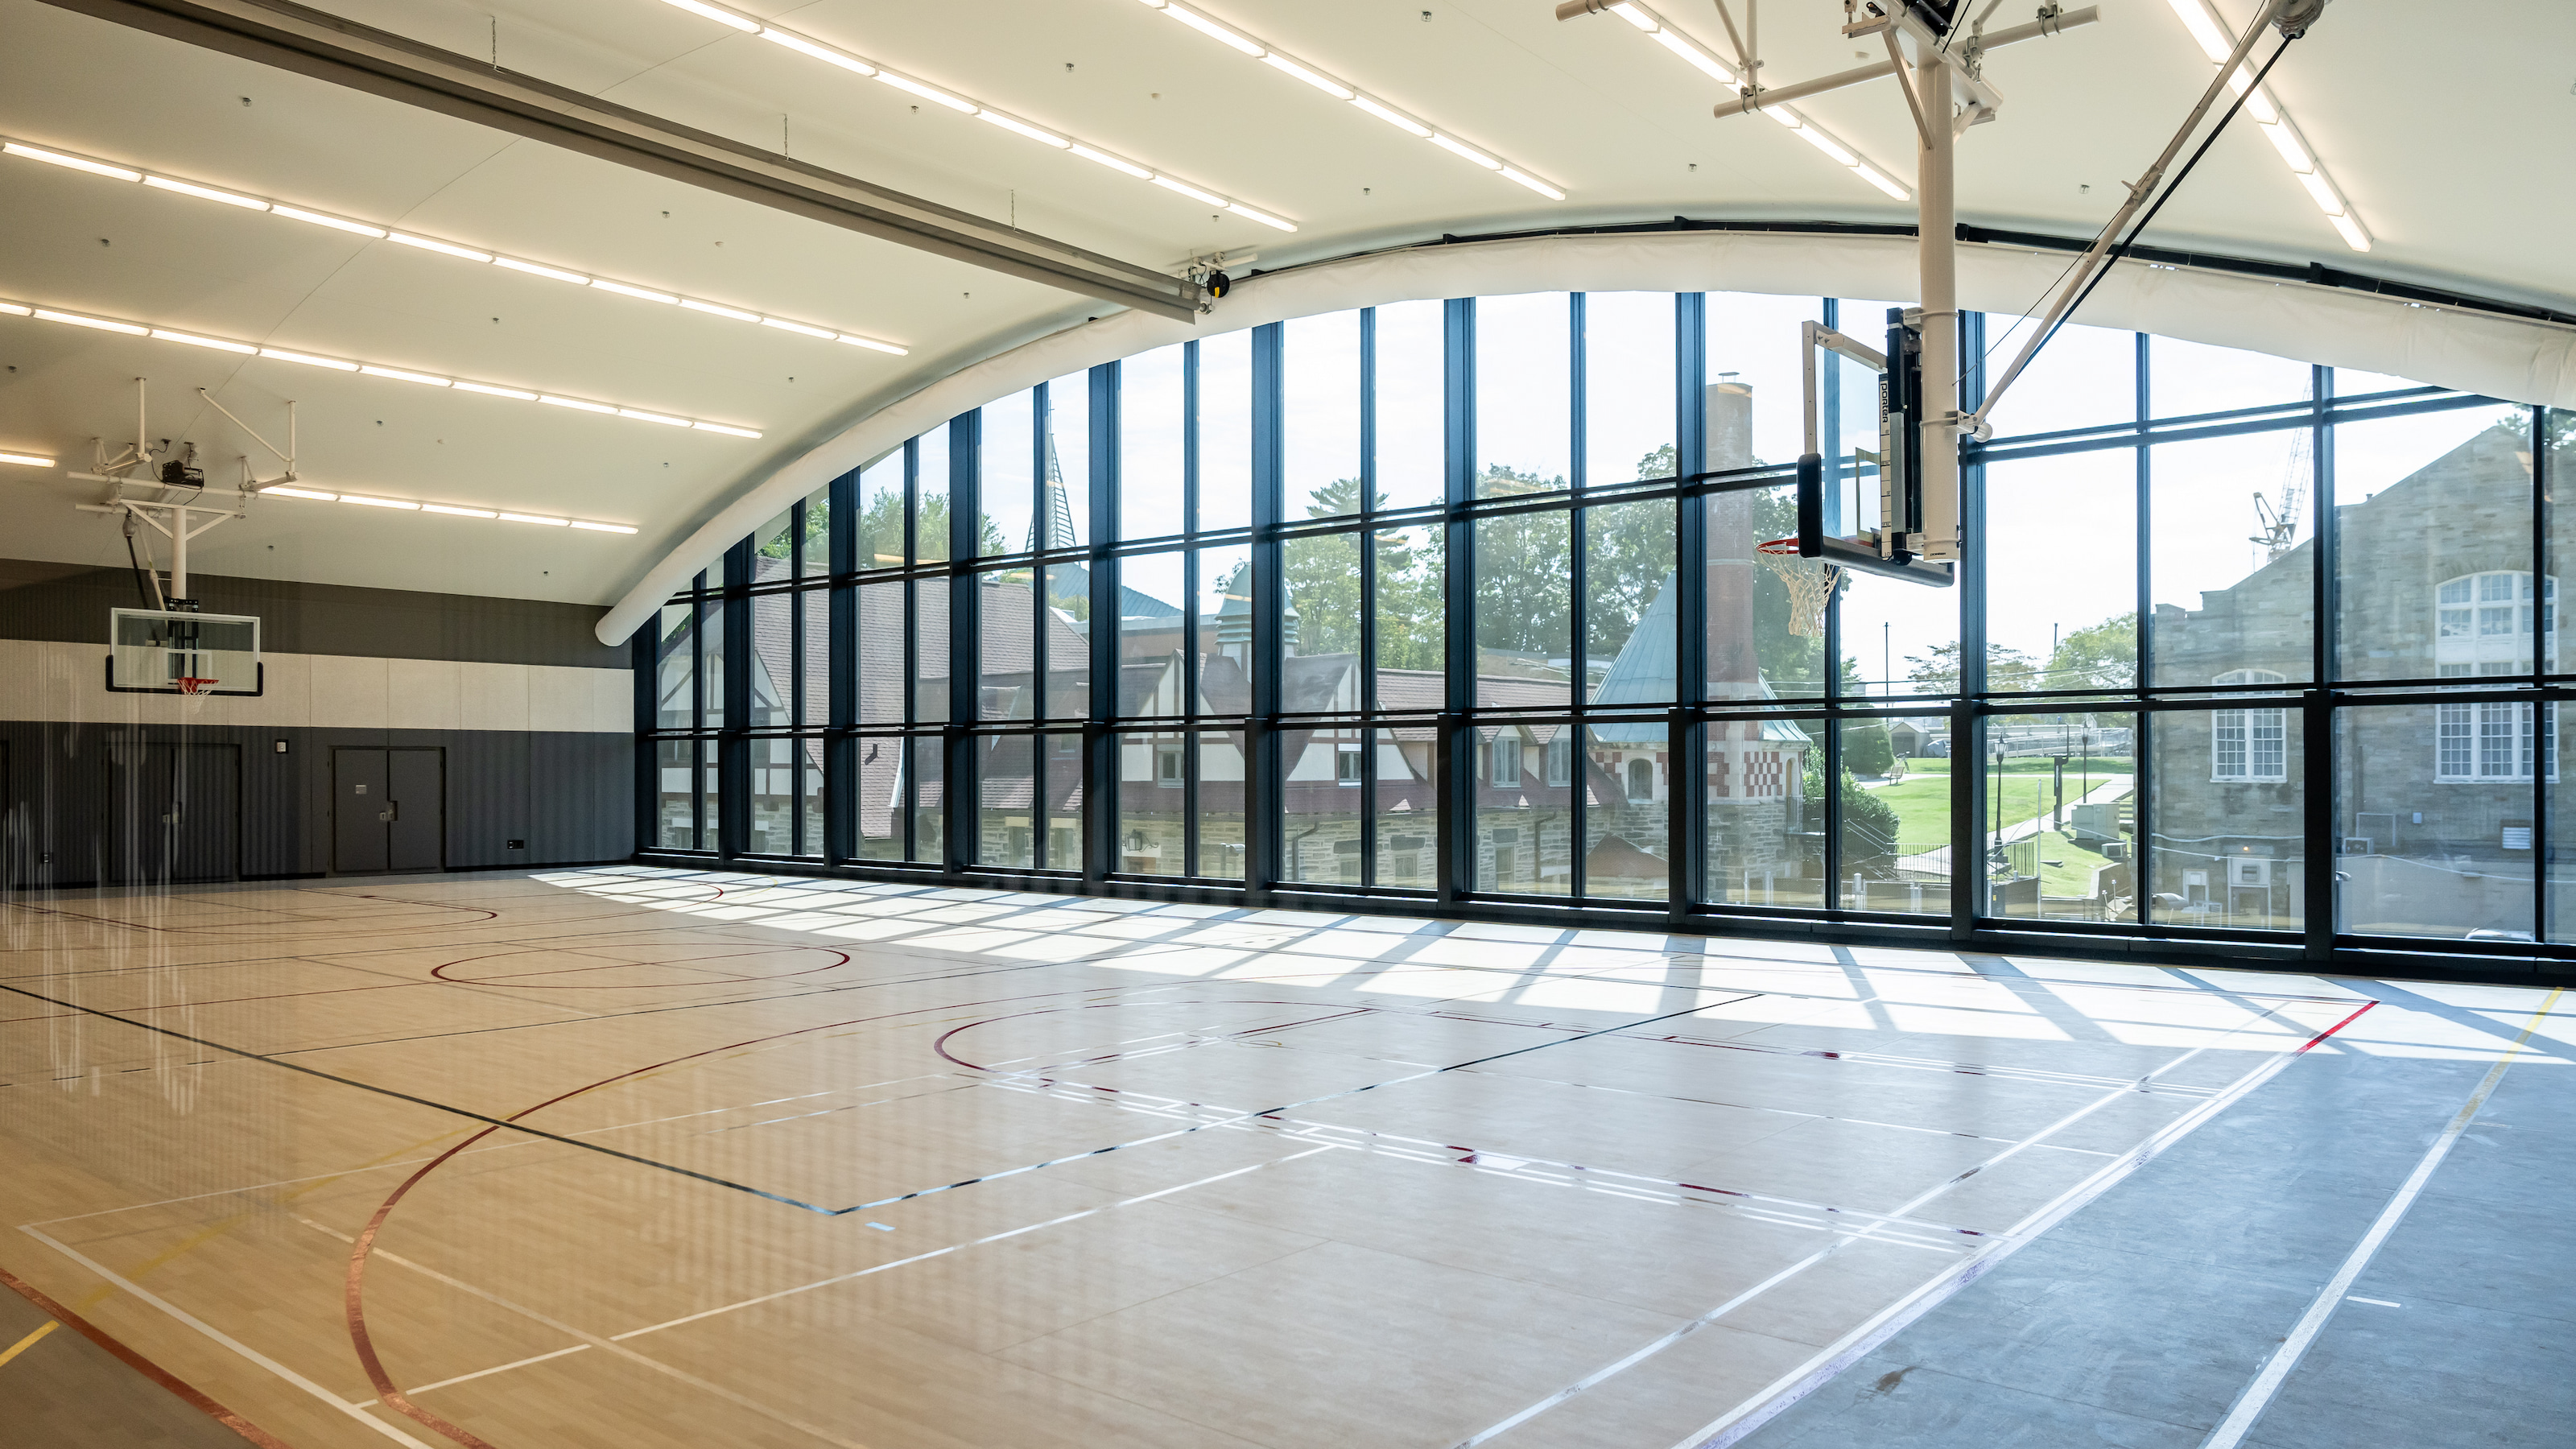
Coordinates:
(1340, 90)
(429, 243)
(1655, 28)
(363, 369)
(452, 510)
(2218, 43)
(1004, 120)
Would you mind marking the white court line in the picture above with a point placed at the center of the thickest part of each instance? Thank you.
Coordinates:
(972, 1243)
(592, 1340)
(1517, 1167)
(478, 1373)
(228, 1341)
(2258, 1394)
(1734, 1425)
(469, 1152)
(1742, 1419)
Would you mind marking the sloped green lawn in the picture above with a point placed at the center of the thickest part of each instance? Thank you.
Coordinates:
(1922, 801)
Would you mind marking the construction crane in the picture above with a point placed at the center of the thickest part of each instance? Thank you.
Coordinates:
(2280, 524)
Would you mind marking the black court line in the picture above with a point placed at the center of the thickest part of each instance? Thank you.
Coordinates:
(1290, 1106)
(782, 1198)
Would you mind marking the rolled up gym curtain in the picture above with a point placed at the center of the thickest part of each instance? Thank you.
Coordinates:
(2519, 360)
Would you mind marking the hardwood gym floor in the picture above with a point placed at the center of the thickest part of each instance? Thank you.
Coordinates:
(626, 1156)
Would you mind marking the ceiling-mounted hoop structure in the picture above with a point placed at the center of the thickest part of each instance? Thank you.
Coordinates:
(183, 519)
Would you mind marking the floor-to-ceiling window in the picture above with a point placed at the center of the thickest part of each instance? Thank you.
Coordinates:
(1463, 602)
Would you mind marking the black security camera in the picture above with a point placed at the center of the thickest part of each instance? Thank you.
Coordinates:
(1218, 284)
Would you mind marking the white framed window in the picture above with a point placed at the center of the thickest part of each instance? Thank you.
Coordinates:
(1560, 759)
(2249, 746)
(2488, 625)
(2492, 618)
(1346, 763)
(1167, 764)
(2492, 742)
(1507, 760)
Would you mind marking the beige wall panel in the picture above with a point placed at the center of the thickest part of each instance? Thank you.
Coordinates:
(423, 694)
(495, 696)
(43, 680)
(348, 692)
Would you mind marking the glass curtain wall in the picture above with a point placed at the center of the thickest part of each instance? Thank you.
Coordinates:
(1463, 602)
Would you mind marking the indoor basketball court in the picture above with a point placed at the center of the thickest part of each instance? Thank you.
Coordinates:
(643, 1155)
(1551, 724)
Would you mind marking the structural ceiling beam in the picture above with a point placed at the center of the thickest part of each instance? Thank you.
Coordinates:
(1782, 95)
(310, 42)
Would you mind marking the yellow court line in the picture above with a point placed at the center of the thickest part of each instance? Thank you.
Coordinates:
(24, 1344)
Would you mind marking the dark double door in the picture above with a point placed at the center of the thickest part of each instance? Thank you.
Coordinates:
(174, 812)
(388, 809)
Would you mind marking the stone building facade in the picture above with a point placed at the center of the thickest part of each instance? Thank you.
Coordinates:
(2434, 803)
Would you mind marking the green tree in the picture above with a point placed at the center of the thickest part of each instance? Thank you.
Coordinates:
(1936, 671)
(2097, 656)
(1793, 664)
(1323, 576)
(1628, 557)
(1869, 823)
(1867, 750)
(1322, 573)
(1524, 571)
(1412, 603)
(818, 534)
(880, 531)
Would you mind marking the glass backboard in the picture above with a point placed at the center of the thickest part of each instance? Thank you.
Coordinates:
(152, 651)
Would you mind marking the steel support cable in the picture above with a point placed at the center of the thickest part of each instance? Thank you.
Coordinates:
(2121, 248)
(2099, 254)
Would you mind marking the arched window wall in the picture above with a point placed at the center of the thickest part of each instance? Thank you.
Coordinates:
(1454, 605)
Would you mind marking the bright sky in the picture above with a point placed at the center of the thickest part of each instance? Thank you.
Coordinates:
(2060, 530)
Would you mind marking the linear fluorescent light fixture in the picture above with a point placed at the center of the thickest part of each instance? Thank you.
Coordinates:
(455, 249)
(1044, 135)
(26, 460)
(1340, 90)
(1655, 28)
(363, 369)
(2218, 43)
(411, 505)
(76, 163)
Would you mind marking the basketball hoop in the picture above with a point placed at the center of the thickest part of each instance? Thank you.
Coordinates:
(189, 684)
(1810, 583)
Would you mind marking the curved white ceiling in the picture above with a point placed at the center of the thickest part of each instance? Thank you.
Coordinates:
(2454, 193)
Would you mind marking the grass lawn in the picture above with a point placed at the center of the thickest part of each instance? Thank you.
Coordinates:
(2027, 765)
(2073, 874)
(1922, 804)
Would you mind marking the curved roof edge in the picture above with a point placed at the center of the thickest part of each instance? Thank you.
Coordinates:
(2519, 359)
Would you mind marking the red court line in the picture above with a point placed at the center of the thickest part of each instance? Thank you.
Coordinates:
(2338, 1026)
(354, 1294)
(188, 1395)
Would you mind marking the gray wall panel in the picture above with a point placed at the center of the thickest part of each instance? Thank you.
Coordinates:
(569, 796)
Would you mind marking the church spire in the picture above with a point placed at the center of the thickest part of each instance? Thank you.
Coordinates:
(1053, 526)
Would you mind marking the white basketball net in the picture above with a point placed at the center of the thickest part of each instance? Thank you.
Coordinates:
(1810, 583)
